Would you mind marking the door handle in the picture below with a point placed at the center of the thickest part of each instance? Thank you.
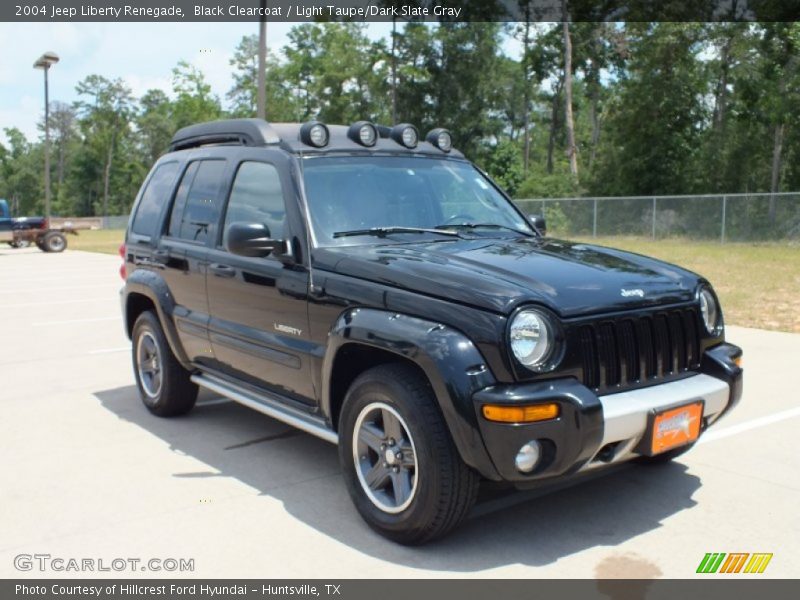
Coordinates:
(222, 270)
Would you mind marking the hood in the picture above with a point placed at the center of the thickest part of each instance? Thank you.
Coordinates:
(572, 279)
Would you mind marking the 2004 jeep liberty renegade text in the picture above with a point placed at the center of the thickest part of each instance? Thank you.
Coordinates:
(381, 292)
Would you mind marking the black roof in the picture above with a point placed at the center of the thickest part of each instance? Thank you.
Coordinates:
(258, 132)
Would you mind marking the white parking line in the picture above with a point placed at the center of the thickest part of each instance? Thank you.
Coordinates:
(720, 434)
(110, 350)
(71, 321)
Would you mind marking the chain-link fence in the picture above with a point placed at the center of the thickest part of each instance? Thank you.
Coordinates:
(725, 217)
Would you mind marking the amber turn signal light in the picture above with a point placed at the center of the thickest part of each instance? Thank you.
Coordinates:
(520, 414)
(738, 361)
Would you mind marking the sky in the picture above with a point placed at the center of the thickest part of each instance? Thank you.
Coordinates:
(142, 54)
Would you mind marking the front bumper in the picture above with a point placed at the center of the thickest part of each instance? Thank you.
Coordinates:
(593, 431)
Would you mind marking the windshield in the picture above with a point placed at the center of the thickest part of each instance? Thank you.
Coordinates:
(355, 194)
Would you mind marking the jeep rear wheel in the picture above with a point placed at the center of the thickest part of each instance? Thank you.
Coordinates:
(400, 464)
(164, 385)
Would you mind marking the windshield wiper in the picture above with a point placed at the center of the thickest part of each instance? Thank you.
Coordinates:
(384, 231)
(485, 226)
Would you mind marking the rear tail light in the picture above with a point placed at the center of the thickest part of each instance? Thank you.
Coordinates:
(123, 271)
(45, 223)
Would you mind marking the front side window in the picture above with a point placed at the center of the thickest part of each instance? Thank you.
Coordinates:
(348, 194)
(155, 195)
(196, 206)
(256, 197)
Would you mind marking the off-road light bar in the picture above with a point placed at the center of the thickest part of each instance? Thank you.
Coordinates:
(364, 133)
(440, 138)
(405, 134)
(315, 134)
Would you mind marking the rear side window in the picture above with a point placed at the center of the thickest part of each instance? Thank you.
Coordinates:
(256, 197)
(155, 194)
(196, 206)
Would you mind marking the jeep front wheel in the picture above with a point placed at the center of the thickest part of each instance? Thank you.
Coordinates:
(401, 466)
(164, 385)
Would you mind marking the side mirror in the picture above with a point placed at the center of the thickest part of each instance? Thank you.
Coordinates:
(539, 223)
(251, 239)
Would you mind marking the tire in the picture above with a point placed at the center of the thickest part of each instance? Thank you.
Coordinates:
(164, 385)
(54, 241)
(665, 457)
(437, 489)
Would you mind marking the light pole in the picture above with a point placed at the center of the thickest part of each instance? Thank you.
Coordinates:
(261, 98)
(44, 62)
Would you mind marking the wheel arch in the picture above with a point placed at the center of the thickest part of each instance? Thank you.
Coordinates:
(363, 338)
(143, 291)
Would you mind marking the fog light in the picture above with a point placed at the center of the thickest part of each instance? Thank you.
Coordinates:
(528, 457)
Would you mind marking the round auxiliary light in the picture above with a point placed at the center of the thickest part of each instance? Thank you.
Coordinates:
(528, 457)
(364, 133)
(440, 138)
(314, 134)
(709, 310)
(405, 135)
(533, 340)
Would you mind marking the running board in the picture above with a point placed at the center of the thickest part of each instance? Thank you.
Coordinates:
(267, 405)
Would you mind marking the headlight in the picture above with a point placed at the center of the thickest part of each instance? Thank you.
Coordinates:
(710, 310)
(533, 339)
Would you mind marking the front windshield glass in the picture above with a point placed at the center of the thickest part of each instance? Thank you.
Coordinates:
(354, 193)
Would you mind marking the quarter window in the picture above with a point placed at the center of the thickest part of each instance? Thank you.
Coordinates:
(153, 198)
(256, 197)
(196, 206)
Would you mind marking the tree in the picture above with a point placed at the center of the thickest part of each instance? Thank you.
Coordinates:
(194, 102)
(105, 118)
(282, 105)
(21, 173)
(155, 124)
(572, 148)
(652, 139)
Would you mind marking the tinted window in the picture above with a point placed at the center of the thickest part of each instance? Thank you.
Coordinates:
(196, 206)
(353, 193)
(153, 198)
(256, 197)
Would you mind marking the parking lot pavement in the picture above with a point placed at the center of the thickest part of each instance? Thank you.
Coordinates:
(87, 472)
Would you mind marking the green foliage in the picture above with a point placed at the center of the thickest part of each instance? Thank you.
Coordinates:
(503, 162)
(660, 108)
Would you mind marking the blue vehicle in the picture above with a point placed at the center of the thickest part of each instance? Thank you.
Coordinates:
(24, 231)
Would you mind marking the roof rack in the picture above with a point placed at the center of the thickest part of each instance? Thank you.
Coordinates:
(233, 132)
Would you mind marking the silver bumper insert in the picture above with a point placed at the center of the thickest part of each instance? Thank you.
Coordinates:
(625, 414)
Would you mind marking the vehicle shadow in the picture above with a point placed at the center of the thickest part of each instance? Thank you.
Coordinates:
(530, 528)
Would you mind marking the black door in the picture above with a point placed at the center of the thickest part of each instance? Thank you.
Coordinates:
(258, 306)
(183, 250)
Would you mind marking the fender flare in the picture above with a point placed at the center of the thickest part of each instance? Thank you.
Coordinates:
(149, 284)
(452, 363)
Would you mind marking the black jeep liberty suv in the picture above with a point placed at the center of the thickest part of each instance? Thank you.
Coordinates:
(381, 292)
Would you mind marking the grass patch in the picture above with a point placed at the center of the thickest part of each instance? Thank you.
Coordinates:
(106, 241)
(758, 284)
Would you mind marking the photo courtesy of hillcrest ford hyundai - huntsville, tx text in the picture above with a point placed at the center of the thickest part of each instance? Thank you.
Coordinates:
(381, 292)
